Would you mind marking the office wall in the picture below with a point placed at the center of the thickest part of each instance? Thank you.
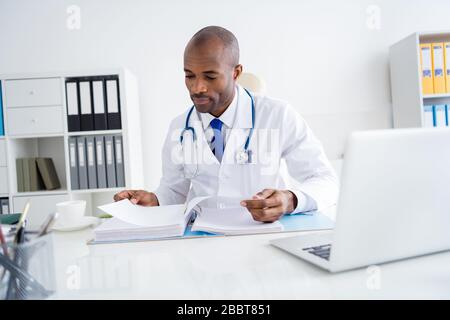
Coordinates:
(328, 58)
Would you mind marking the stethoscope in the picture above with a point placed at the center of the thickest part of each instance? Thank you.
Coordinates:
(242, 156)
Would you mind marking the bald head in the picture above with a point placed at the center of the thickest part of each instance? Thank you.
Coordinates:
(211, 65)
(220, 39)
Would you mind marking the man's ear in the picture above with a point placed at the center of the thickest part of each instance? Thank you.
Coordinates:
(237, 71)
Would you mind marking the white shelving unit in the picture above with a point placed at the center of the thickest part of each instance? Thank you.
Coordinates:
(35, 118)
(406, 81)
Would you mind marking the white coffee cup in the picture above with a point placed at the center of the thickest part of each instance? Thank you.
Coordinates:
(70, 212)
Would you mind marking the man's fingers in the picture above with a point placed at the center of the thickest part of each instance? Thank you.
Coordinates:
(125, 194)
(138, 196)
(267, 214)
(260, 204)
(266, 193)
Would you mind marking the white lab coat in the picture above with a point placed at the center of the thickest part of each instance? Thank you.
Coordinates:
(279, 133)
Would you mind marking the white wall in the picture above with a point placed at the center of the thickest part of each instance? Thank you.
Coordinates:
(319, 55)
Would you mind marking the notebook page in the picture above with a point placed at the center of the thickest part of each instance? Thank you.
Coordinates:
(157, 216)
(126, 211)
(231, 221)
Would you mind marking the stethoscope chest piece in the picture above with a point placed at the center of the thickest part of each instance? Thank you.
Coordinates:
(243, 157)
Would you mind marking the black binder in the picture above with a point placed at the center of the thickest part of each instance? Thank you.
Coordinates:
(113, 103)
(86, 110)
(99, 104)
(73, 106)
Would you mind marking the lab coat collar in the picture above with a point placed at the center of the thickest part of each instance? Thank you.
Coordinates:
(237, 115)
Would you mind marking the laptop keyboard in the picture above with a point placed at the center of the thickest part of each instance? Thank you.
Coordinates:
(322, 251)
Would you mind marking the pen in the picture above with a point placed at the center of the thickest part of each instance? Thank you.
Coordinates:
(48, 223)
(19, 237)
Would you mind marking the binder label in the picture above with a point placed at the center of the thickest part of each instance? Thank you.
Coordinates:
(90, 154)
(438, 60)
(109, 154)
(426, 61)
(99, 103)
(85, 97)
(81, 155)
(119, 151)
(72, 155)
(72, 98)
(99, 153)
(113, 103)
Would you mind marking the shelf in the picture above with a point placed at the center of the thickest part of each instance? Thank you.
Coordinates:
(437, 96)
(4, 195)
(40, 193)
(98, 190)
(52, 135)
(98, 132)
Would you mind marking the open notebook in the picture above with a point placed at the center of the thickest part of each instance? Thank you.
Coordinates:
(134, 222)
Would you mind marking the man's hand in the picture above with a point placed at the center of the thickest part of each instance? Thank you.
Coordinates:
(140, 197)
(270, 204)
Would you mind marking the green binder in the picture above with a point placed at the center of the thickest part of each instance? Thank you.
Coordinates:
(36, 182)
(26, 175)
(48, 173)
(19, 171)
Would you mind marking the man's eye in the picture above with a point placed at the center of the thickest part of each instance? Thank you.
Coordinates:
(189, 77)
(210, 78)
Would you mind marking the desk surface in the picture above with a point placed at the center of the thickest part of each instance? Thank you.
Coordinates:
(238, 267)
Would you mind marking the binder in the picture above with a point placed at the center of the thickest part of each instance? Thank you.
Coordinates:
(19, 171)
(91, 162)
(120, 171)
(26, 175)
(48, 173)
(82, 168)
(426, 67)
(34, 176)
(110, 163)
(73, 158)
(441, 119)
(2, 126)
(447, 112)
(428, 116)
(438, 68)
(98, 98)
(100, 157)
(73, 107)
(87, 118)
(447, 65)
(113, 104)
(4, 203)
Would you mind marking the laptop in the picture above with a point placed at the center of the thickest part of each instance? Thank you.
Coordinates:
(394, 202)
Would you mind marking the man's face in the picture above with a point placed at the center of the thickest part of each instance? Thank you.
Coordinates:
(209, 77)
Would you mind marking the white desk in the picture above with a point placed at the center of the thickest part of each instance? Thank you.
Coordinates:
(240, 267)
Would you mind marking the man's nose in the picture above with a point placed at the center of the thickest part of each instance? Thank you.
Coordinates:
(199, 87)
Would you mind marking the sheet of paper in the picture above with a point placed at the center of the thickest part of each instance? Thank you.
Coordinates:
(158, 216)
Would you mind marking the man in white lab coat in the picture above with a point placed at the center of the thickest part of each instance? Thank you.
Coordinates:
(231, 124)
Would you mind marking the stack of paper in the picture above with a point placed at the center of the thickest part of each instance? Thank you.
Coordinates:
(135, 222)
(232, 221)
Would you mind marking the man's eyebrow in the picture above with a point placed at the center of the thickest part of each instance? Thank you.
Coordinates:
(208, 71)
(211, 71)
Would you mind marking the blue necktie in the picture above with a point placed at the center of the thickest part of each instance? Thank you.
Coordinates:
(217, 141)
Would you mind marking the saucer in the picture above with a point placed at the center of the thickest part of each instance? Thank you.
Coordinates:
(83, 223)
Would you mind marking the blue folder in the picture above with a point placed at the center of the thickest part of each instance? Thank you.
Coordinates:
(312, 221)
